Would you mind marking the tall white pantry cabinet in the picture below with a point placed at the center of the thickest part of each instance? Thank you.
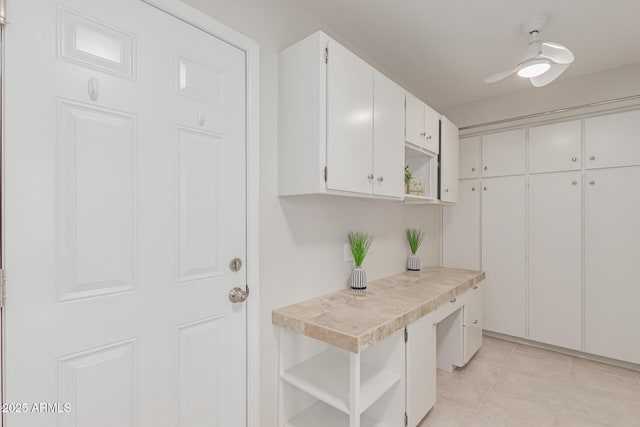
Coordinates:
(551, 213)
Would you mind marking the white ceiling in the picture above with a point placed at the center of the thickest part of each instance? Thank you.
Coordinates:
(443, 49)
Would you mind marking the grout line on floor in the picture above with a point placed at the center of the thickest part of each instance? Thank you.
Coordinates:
(484, 398)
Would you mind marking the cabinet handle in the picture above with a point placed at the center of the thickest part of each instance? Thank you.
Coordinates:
(592, 157)
(574, 159)
(592, 182)
(380, 178)
(574, 182)
(452, 300)
(475, 322)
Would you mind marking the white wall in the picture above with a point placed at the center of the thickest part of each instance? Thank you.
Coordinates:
(563, 93)
(301, 239)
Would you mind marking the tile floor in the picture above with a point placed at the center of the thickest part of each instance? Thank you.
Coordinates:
(514, 385)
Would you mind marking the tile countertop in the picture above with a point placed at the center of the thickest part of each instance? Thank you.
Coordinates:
(353, 322)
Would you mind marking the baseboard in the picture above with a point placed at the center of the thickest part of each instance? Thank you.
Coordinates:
(569, 352)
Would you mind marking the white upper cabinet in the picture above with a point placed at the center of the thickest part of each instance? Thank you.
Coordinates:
(612, 140)
(469, 158)
(449, 162)
(504, 153)
(388, 132)
(349, 121)
(555, 147)
(422, 124)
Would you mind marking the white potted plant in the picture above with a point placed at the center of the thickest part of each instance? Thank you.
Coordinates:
(415, 236)
(360, 243)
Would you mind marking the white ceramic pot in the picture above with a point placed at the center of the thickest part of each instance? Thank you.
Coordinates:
(358, 280)
(413, 263)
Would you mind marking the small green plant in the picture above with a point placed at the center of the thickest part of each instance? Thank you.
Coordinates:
(415, 236)
(360, 243)
(407, 175)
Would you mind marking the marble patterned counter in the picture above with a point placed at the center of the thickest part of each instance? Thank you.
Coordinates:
(354, 322)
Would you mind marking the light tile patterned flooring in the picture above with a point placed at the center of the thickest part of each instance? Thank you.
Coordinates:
(514, 385)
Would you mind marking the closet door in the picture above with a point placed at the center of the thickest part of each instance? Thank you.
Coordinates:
(555, 252)
(503, 153)
(612, 140)
(469, 156)
(461, 228)
(612, 255)
(503, 254)
(555, 147)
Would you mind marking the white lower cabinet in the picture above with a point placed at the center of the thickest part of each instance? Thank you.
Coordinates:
(421, 369)
(472, 322)
(503, 254)
(555, 269)
(612, 255)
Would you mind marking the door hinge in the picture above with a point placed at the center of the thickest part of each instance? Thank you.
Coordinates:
(326, 55)
(2, 286)
(325, 174)
(406, 419)
(406, 335)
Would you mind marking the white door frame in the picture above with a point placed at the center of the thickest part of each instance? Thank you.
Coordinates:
(252, 50)
(209, 25)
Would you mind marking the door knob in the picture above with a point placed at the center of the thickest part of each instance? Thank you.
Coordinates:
(237, 295)
(235, 264)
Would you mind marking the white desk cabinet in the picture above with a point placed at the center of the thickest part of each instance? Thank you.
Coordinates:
(422, 124)
(612, 140)
(556, 147)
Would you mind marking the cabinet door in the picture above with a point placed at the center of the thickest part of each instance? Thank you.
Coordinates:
(470, 163)
(421, 369)
(612, 140)
(503, 252)
(349, 121)
(431, 129)
(472, 322)
(556, 147)
(414, 120)
(555, 256)
(388, 137)
(461, 228)
(449, 162)
(503, 153)
(612, 253)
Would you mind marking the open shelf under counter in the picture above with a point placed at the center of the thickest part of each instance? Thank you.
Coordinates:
(326, 377)
(321, 415)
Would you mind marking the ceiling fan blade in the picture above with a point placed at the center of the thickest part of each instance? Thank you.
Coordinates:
(499, 76)
(552, 74)
(556, 52)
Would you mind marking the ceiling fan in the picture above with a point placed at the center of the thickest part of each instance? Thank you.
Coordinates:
(543, 62)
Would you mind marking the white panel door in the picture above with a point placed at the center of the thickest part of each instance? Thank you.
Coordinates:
(421, 368)
(503, 252)
(414, 120)
(470, 161)
(125, 201)
(449, 162)
(555, 259)
(349, 121)
(612, 252)
(388, 137)
(431, 129)
(556, 147)
(461, 228)
(612, 140)
(503, 153)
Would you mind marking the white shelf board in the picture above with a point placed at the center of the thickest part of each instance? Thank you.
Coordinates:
(321, 415)
(326, 377)
(410, 198)
(415, 151)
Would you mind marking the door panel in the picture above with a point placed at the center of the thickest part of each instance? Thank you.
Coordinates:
(503, 252)
(470, 161)
(431, 129)
(612, 233)
(125, 189)
(421, 364)
(612, 140)
(461, 228)
(555, 259)
(472, 322)
(503, 153)
(449, 162)
(349, 122)
(556, 147)
(388, 137)
(414, 120)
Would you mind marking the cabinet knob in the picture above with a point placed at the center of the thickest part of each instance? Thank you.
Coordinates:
(423, 134)
(574, 159)
(473, 188)
(592, 182)
(475, 322)
(380, 178)
(446, 190)
(484, 188)
(486, 168)
(473, 169)
(574, 182)
(452, 300)
(370, 177)
(428, 137)
(592, 157)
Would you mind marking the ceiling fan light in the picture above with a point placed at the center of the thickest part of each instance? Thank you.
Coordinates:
(534, 68)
